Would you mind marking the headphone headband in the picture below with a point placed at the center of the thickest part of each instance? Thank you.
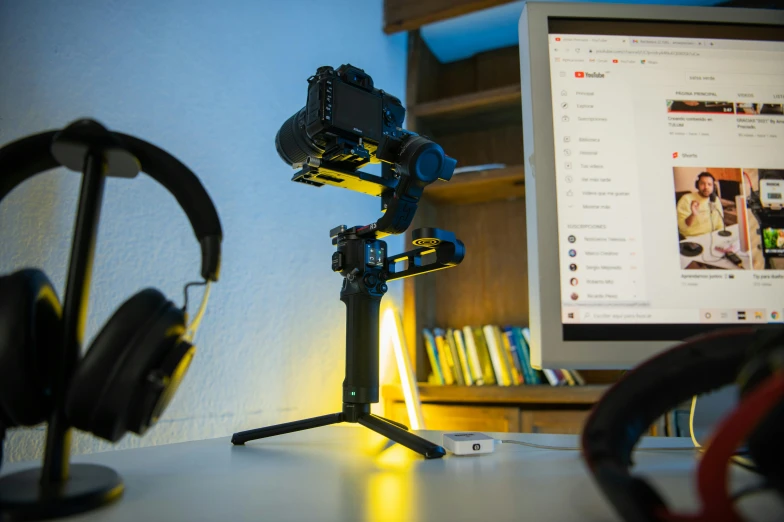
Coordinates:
(26, 157)
(705, 363)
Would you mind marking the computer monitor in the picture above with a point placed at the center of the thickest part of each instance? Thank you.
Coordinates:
(633, 117)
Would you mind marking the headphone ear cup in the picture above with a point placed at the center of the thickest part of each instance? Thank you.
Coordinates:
(30, 330)
(134, 363)
(765, 358)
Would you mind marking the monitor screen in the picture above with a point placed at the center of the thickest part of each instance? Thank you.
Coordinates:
(663, 134)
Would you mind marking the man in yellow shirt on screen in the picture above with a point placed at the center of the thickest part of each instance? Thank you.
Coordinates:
(696, 209)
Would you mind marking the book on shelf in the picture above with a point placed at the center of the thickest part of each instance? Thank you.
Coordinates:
(488, 355)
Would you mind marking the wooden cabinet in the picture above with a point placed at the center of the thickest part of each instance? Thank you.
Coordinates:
(563, 421)
(526, 409)
(461, 418)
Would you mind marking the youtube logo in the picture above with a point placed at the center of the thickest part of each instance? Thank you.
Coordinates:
(583, 74)
(557, 39)
(615, 61)
(674, 155)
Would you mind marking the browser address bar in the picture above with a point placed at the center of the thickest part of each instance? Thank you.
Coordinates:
(647, 52)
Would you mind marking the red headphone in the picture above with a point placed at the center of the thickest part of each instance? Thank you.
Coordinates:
(751, 357)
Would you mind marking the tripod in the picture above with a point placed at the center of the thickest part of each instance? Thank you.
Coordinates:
(362, 260)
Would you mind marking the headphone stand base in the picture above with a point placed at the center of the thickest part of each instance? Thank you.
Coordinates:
(88, 487)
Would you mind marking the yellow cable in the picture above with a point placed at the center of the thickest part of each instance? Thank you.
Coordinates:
(190, 332)
(691, 423)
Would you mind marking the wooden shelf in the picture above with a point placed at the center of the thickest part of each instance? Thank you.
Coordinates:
(543, 394)
(405, 15)
(479, 187)
(506, 96)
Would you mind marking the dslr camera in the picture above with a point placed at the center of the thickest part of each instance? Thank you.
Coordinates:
(346, 124)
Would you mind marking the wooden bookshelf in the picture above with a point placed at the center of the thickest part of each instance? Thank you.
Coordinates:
(464, 105)
(472, 108)
(482, 186)
(542, 394)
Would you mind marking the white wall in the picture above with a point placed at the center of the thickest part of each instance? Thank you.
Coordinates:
(210, 82)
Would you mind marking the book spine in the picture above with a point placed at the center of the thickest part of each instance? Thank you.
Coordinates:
(578, 377)
(495, 356)
(531, 375)
(488, 372)
(444, 357)
(432, 355)
(552, 378)
(457, 334)
(473, 356)
(457, 367)
(511, 355)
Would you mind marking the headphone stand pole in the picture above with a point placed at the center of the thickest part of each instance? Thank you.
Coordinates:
(361, 258)
(57, 489)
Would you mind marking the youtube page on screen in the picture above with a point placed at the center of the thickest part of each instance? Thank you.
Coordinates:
(669, 157)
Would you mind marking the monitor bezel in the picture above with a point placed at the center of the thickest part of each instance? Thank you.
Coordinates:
(548, 348)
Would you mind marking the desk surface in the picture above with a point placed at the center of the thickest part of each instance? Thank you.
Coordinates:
(713, 257)
(344, 473)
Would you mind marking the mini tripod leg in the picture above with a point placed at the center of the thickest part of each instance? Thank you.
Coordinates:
(289, 427)
(409, 440)
(401, 426)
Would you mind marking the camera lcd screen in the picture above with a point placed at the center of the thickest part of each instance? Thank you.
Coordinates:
(357, 111)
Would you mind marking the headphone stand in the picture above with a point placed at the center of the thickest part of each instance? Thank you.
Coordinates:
(59, 489)
(362, 260)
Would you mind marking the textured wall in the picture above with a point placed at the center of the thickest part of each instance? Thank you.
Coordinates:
(211, 83)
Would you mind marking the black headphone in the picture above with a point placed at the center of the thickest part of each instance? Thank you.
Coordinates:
(134, 365)
(752, 358)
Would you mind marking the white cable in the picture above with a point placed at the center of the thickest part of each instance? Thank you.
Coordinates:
(572, 448)
(191, 330)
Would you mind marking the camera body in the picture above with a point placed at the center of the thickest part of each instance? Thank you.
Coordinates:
(344, 104)
(347, 123)
(343, 122)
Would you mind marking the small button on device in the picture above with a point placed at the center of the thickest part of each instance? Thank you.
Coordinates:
(477, 447)
(337, 261)
(370, 280)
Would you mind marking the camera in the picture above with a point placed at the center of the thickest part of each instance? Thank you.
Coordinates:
(343, 121)
(347, 123)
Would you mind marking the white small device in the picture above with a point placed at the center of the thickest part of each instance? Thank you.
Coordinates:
(468, 443)
(771, 193)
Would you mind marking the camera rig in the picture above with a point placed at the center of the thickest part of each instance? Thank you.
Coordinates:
(328, 141)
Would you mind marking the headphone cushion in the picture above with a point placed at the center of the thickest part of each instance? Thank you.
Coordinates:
(118, 365)
(30, 331)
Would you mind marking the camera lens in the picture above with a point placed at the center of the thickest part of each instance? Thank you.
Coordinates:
(293, 143)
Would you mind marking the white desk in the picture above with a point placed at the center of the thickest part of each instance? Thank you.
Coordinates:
(714, 257)
(340, 473)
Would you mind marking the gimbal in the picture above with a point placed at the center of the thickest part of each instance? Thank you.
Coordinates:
(363, 261)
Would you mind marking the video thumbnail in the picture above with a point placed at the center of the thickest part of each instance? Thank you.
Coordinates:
(709, 232)
(717, 107)
(773, 241)
(763, 191)
(773, 109)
